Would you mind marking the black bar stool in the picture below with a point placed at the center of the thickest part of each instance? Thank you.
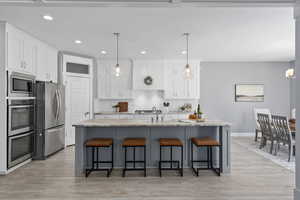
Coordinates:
(170, 143)
(209, 143)
(134, 143)
(96, 144)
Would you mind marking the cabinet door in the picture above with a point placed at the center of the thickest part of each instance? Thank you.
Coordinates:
(46, 63)
(174, 80)
(42, 60)
(176, 84)
(14, 51)
(103, 79)
(29, 55)
(52, 66)
(111, 86)
(124, 116)
(193, 84)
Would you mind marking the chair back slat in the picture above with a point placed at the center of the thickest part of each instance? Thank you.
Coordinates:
(265, 125)
(282, 129)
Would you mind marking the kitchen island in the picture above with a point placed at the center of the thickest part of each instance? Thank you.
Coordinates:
(118, 129)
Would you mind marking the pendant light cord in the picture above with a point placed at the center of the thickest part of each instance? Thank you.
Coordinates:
(117, 41)
(187, 48)
(118, 48)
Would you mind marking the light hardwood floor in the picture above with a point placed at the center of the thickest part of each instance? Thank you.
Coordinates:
(252, 178)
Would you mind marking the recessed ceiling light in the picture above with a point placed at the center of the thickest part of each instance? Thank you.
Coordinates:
(183, 52)
(103, 52)
(78, 41)
(48, 17)
(143, 52)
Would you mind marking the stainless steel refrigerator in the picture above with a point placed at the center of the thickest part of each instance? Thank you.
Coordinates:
(50, 119)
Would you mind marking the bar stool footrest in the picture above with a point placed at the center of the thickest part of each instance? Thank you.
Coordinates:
(216, 170)
(108, 170)
(135, 161)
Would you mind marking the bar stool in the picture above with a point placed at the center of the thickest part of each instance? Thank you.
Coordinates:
(97, 144)
(170, 143)
(134, 143)
(209, 143)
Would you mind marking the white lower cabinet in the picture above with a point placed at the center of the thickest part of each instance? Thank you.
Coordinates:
(104, 116)
(126, 116)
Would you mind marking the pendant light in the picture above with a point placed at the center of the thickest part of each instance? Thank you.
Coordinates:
(187, 70)
(117, 67)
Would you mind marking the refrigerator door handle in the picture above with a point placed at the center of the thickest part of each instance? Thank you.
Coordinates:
(57, 104)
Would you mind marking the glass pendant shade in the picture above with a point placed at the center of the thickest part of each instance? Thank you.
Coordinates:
(188, 71)
(117, 70)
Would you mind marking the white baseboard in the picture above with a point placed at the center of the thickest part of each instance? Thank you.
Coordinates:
(15, 167)
(242, 134)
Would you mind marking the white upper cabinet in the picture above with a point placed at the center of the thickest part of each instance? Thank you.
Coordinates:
(152, 70)
(26, 54)
(29, 54)
(21, 51)
(110, 86)
(176, 85)
(47, 63)
(14, 50)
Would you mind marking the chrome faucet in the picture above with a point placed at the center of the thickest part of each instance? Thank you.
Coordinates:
(154, 110)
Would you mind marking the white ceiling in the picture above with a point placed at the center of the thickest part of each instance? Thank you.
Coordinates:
(217, 34)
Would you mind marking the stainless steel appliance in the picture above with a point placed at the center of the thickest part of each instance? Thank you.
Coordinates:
(20, 85)
(50, 119)
(20, 116)
(20, 148)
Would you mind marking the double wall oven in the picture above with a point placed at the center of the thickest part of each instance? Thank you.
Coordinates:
(20, 118)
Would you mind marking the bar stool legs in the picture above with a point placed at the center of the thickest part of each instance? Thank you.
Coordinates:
(134, 143)
(134, 161)
(170, 143)
(209, 144)
(97, 161)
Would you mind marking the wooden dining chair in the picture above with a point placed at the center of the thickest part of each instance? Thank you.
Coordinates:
(283, 134)
(266, 130)
(257, 128)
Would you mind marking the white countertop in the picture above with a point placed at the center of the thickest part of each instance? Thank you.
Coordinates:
(148, 123)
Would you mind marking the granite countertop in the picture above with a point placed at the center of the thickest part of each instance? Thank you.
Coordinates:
(147, 123)
(133, 113)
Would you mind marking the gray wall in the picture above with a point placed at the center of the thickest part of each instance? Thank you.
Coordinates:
(218, 80)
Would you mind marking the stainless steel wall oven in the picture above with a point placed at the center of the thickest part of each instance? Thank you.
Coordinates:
(21, 128)
(20, 116)
(20, 148)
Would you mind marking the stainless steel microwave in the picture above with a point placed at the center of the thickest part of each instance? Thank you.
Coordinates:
(20, 85)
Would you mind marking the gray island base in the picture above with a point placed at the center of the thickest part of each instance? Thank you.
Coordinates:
(152, 131)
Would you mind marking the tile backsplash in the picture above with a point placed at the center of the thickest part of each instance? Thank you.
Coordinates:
(143, 100)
